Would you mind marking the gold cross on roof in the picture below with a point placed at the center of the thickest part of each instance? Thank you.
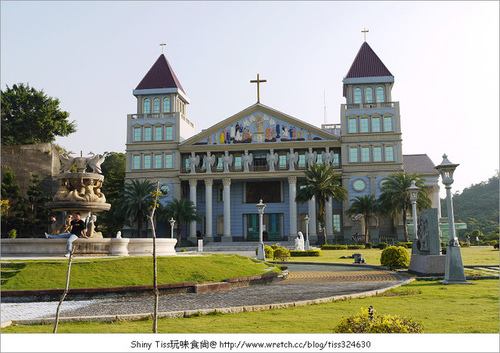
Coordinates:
(258, 81)
(364, 32)
(162, 45)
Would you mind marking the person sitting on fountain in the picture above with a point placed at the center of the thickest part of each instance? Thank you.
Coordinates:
(77, 230)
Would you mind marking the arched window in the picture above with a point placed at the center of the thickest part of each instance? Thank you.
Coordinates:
(369, 95)
(380, 94)
(147, 106)
(166, 105)
(357, 95)
(156, 105)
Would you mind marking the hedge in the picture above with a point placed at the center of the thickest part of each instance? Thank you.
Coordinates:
(311, 252)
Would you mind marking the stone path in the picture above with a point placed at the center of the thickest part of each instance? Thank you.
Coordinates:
(304, 283)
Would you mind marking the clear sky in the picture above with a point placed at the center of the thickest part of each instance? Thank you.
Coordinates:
(91, 55)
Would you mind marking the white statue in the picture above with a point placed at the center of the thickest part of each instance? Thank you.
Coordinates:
(66, 162)
(119, 235)
(326, 157)
(299, 242)
(209, 161)
(227, 161)
(292, 158)
(193, 162)
(95, 162)
(246, 160)
(311, 158)
(272, 159)
(91, 233)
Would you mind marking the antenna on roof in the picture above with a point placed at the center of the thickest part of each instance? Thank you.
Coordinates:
(324, 106)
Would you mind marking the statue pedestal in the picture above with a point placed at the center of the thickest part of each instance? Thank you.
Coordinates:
(427, 265)
(454, 273)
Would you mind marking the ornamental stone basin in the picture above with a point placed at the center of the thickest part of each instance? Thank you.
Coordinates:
(36, 247)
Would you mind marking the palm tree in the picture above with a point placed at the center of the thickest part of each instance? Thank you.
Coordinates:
(395, 197)
(182, 211)
(322, 183)
(367, 206)
(137, 199)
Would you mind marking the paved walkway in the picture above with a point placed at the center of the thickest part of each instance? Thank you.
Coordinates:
(305, 284)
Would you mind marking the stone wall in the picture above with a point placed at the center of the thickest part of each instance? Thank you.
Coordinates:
(24, 160)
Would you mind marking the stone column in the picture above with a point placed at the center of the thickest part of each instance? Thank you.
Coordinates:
(192, 198)
(227, 210)
(208, 205)
(313, 236)
(292, 187)
(329, 217)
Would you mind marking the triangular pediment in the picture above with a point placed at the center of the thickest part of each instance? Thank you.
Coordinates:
(259, 124)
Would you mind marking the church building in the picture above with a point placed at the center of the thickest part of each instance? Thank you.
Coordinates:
(261, 153)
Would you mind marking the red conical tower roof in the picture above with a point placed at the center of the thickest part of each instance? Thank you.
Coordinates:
(160, 75)
(367, 64)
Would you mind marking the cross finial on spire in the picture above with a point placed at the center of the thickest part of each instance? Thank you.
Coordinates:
(162, 45)
(258, 81)
(364, 32)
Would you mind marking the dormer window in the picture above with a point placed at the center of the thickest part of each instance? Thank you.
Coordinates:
(380, 94)
(357, 95)
(369, 95)
(147, 106)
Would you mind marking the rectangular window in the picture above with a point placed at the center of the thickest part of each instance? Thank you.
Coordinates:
(388, 123)
(158, 133)
(137, 133)
(169, 162)
(319, 158)
(352, 125)
(353, 154)
(302, 160)
(268, 191)
(336, 223)
(147, 161)
(363, 125)
(365, 154)
(157, 161)
(169, 133)
(237, 162)
(377, 154)
(220, 165)
(282, 161)
(220, 193)
(137, 162)
(389, 153)
(336, 160)
(147, 134)
(376, 124)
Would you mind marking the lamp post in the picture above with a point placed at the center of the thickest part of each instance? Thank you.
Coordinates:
(260, 252)
(307, 219)
(454, 269)
(172, 222)
(413, 191)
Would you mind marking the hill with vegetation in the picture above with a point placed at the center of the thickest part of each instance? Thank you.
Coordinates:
(478, 207)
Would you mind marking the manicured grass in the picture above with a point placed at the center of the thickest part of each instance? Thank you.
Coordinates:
(470, 255)
(440, 308)
(115, 272)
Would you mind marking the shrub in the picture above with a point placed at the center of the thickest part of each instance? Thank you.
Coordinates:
(395, 256)
(495, 246)
(464, 244)
(12, 233)
(311, 252)
(368, 245)
(268, 252)
(406, 244)
(382, 245)
(361, 323)
(281, 254)
(333, 247)
(354, 247)
(275, 246)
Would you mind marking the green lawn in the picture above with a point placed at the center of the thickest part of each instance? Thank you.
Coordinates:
(130, 271)
(470, 255)
(441, 309)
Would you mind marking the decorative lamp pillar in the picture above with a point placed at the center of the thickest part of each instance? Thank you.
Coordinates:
(172, 222)
(413, 191)
(307, 219)
(454, 269)
(260, 252)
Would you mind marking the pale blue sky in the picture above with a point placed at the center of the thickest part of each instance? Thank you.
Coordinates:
(91, 55)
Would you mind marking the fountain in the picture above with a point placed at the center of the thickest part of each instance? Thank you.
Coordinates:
(80, 191)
